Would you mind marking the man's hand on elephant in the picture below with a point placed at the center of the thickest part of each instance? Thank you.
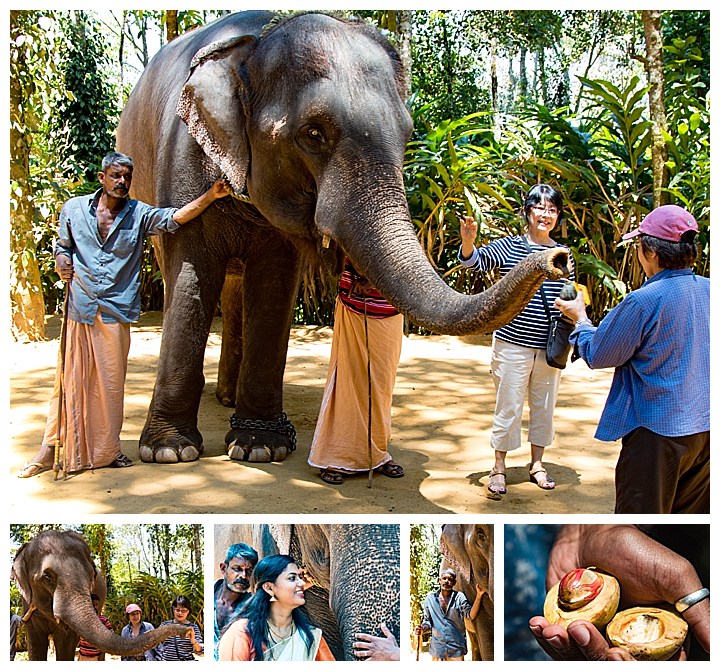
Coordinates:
(64, 267)
(221, 188)
(377, 648)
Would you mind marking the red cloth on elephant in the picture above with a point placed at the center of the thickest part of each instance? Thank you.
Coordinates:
(341, 433)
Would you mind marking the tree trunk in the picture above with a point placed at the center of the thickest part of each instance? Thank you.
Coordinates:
(28, 308)
(403, 21)
(197, 546)
(656, 78)
(171, 24)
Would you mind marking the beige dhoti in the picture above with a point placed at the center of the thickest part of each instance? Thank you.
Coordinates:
(94, 387)
(341, 433)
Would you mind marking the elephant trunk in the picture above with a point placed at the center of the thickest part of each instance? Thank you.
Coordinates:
(373, 226)
(77, 611)
(371, 597)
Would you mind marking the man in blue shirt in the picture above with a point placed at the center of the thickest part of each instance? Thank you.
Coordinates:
(658, 340)
(444, 614)
(98, 253)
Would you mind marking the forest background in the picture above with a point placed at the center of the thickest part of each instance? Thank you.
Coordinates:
(610, 107)
(147, 564)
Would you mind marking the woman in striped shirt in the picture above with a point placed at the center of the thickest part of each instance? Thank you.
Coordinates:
(518, 361)
(178, 648)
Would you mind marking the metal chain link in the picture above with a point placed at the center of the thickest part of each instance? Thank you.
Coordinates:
(281, 425)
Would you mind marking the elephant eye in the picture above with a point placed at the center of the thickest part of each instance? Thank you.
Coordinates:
(313, 139)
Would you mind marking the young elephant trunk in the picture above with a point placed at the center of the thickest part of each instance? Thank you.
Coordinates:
(383, 246)
(77, 612)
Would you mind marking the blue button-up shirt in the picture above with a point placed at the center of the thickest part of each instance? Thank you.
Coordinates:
(107, 274)
(448, 638)
(658, 340)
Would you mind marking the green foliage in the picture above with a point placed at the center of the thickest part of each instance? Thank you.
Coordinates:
(425, 559)
(87, 114)
(155, 596)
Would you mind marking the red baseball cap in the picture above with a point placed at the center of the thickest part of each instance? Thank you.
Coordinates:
(667, 222)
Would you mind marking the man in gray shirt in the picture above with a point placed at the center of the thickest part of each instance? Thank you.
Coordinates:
(99, 254)
(444, 614)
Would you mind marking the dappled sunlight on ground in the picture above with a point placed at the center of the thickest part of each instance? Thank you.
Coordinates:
(442, 415)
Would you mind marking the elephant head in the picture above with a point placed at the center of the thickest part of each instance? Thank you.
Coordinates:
(468, 549)
(308, 119)
(56, 575)
(354, 570)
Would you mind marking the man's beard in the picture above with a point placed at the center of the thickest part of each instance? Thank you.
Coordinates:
(239, 586)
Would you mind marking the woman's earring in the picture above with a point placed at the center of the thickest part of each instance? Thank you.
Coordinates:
(272, 598)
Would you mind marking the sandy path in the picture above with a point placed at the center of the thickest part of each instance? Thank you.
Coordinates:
(441, 419)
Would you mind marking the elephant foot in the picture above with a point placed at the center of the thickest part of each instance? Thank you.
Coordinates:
(169, 454)
(259, 441)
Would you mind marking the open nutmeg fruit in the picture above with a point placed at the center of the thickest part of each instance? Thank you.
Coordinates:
(583, 594)
(646, 632)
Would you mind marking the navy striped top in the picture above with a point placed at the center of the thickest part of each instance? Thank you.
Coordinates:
(178, 648)
(530, 328)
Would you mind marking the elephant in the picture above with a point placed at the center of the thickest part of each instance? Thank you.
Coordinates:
(56, 575)
(354, 571)
(468, 549)
(304, 117)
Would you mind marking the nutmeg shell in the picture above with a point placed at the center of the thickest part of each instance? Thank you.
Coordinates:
(648, 632)
(579, 597)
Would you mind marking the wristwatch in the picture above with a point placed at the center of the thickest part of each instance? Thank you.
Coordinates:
(583, 320)
(681, 605)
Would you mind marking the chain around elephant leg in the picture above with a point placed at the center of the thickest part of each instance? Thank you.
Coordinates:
(260, 441)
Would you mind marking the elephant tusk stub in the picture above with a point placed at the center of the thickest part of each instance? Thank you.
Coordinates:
(29, 613)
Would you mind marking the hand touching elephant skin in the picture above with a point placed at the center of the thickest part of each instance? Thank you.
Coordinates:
(56, 575)
(354, 570)
(468, 549)
(306, 121)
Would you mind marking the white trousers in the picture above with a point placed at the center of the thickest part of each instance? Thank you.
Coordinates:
(519, 372)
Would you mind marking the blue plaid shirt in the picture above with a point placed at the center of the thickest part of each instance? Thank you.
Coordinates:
(107, 274)
(658, 341)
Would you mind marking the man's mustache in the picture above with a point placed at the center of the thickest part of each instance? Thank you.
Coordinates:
(241, 581)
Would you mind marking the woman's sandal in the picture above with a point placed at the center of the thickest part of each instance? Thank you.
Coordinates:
(391, 470)
(331, 477)
(544, 483)
(495, 489)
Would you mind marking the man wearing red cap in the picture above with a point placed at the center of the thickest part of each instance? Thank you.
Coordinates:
(658, 341)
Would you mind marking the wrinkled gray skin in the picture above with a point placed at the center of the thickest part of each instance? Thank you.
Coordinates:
(307, 120)
(355, 570)
(55, 573)
(468, 549)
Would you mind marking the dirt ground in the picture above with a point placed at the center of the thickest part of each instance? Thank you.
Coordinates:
(442, 414)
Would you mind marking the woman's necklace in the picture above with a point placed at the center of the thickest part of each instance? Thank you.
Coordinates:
(276, 643)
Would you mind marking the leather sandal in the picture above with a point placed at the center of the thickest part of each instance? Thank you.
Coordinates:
(331, 477)
(495, 489)
(391, 470)
(546, 483)
(32, 468)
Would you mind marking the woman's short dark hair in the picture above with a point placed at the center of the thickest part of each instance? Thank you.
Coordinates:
(181, 601)
(539, 194)
(672, 255)
(269, 569)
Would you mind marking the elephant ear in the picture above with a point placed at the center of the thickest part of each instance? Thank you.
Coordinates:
(19, 574)
(211, 105)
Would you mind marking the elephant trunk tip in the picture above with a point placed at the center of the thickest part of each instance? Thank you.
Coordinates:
(558, 263)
